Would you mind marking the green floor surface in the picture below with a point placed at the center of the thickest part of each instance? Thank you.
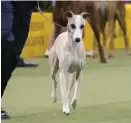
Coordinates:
(105, 94)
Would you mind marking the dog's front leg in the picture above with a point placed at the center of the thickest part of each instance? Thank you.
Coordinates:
(72, 78)
(64, 95)
(54, 72)
(54, 64)
(76, 93)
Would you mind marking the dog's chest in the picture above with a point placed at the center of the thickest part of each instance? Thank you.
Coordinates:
(76, 63)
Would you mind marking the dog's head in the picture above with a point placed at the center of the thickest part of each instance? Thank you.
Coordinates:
(76, 24)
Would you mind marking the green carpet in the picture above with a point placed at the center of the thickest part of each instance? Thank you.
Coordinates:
(105, 94)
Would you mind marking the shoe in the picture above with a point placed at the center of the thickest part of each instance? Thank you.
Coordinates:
(46, 53)
(4, 115)
(23, 63)
(89, 53)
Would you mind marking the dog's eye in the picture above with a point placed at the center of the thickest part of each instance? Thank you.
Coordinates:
(82, 26)
(73, 26)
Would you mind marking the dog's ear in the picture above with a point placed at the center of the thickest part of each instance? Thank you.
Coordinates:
(68, 14)
(85, 15)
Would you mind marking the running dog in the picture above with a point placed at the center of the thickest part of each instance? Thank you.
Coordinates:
(68, 56)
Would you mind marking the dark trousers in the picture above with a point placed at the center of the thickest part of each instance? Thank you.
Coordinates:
(11, 49)
(8, 63)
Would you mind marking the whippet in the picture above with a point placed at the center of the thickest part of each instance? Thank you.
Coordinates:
(68, 55)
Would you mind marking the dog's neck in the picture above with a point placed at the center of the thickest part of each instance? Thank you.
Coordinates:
(72, 45)
(76, 49)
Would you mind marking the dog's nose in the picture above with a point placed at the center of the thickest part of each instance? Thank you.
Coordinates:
(77, 39)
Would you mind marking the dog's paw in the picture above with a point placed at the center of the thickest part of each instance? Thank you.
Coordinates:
(110, 56)
(54, 98)
(103, 60)
(66, 111)
(74, 103)
(95, 56)
(129, 53)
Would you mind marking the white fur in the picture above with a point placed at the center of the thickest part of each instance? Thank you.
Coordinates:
(69, 57)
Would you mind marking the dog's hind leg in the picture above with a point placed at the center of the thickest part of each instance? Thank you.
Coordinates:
(76, 93)
(95, 24)
(54, 63)
(72, 78)
(122, 23)
(111, 32)
(95, 53)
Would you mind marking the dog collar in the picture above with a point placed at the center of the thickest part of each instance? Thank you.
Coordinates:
(69, 31)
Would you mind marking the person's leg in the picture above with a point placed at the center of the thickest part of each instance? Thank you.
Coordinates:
(8, 64)
(25, 63)
(20, 30)
(11, 51)
(13, 48)
(6, 39)
(52, 39)
(51, 42)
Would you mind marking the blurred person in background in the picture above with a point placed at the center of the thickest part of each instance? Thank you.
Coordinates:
(15, 22)
(51, 41)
